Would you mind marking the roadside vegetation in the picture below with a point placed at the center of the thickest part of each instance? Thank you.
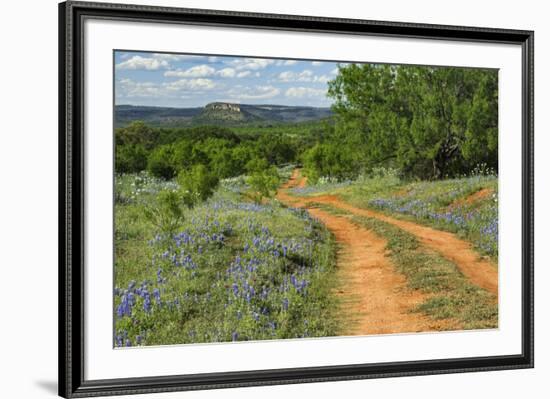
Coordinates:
(450, 295)
(467, 205)
(224, 270)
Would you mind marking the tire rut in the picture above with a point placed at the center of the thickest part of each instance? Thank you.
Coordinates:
(374, 297)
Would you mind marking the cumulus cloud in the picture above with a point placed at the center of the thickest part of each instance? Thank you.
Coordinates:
(176, 57)
(226, 73)
(148, 63)
(286, 62)
(198, 71)
(153, 61)
(316, 63)
(254, 93)
(251, 63)
(290, 76)
(191, 84)
(128, 88)
(243, 74)
(300, 92)
(304, 76)
(321, 78)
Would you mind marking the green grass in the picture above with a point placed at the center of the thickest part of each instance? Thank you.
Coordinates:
(232, 271)
(451, 295)
(440, 204)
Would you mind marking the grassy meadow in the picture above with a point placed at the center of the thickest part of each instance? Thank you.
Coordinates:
(235, 270)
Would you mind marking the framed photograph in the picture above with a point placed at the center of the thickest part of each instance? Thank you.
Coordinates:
(253, 199)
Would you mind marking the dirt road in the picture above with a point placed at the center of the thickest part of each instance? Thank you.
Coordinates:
(479, 271)
(375, 297)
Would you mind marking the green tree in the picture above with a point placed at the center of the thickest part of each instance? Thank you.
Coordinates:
(130, 158)
(137, 133)
(196, 184)
(188, 153)
(428, 121)
(162, 162)
(263, 179)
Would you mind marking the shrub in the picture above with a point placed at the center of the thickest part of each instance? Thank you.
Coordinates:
(130, 158)
(162, 162)
(263, 179)
(167, 213)
(196, 184)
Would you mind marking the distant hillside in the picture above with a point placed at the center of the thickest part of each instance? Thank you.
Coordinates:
(156, 116)
(218, 113)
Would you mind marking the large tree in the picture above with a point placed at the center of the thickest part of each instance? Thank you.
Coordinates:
(428, 121)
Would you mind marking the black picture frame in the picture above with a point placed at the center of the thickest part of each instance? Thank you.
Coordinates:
(71, 200)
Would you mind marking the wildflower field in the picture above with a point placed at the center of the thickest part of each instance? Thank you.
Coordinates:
(232, 270)
(466, 205)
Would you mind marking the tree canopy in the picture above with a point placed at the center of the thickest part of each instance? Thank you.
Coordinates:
(430, 122)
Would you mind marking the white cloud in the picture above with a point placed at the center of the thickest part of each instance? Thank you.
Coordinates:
(299, 92)
(334, 71)
(251, 63)
(286, 63)
(127, 88)
(226, 73)
(316, 63)
(153, 61)
(213, 59)
(176, 57)
(290, 76)
(304, 76)
(147, 63)
(253, 93)
(191, 84)
(130, 88)
(322, 78)
(198, 71)
(243, 74)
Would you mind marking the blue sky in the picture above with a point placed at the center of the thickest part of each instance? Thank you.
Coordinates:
(178, 80)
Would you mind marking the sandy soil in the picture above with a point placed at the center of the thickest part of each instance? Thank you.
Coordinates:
(480, 271)
(374, 296)
(473, 198)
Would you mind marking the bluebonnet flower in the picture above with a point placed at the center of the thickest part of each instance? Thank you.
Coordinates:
(147, 304)
(156, 294)
(285, 304)
(125, 306)
(160, 280)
